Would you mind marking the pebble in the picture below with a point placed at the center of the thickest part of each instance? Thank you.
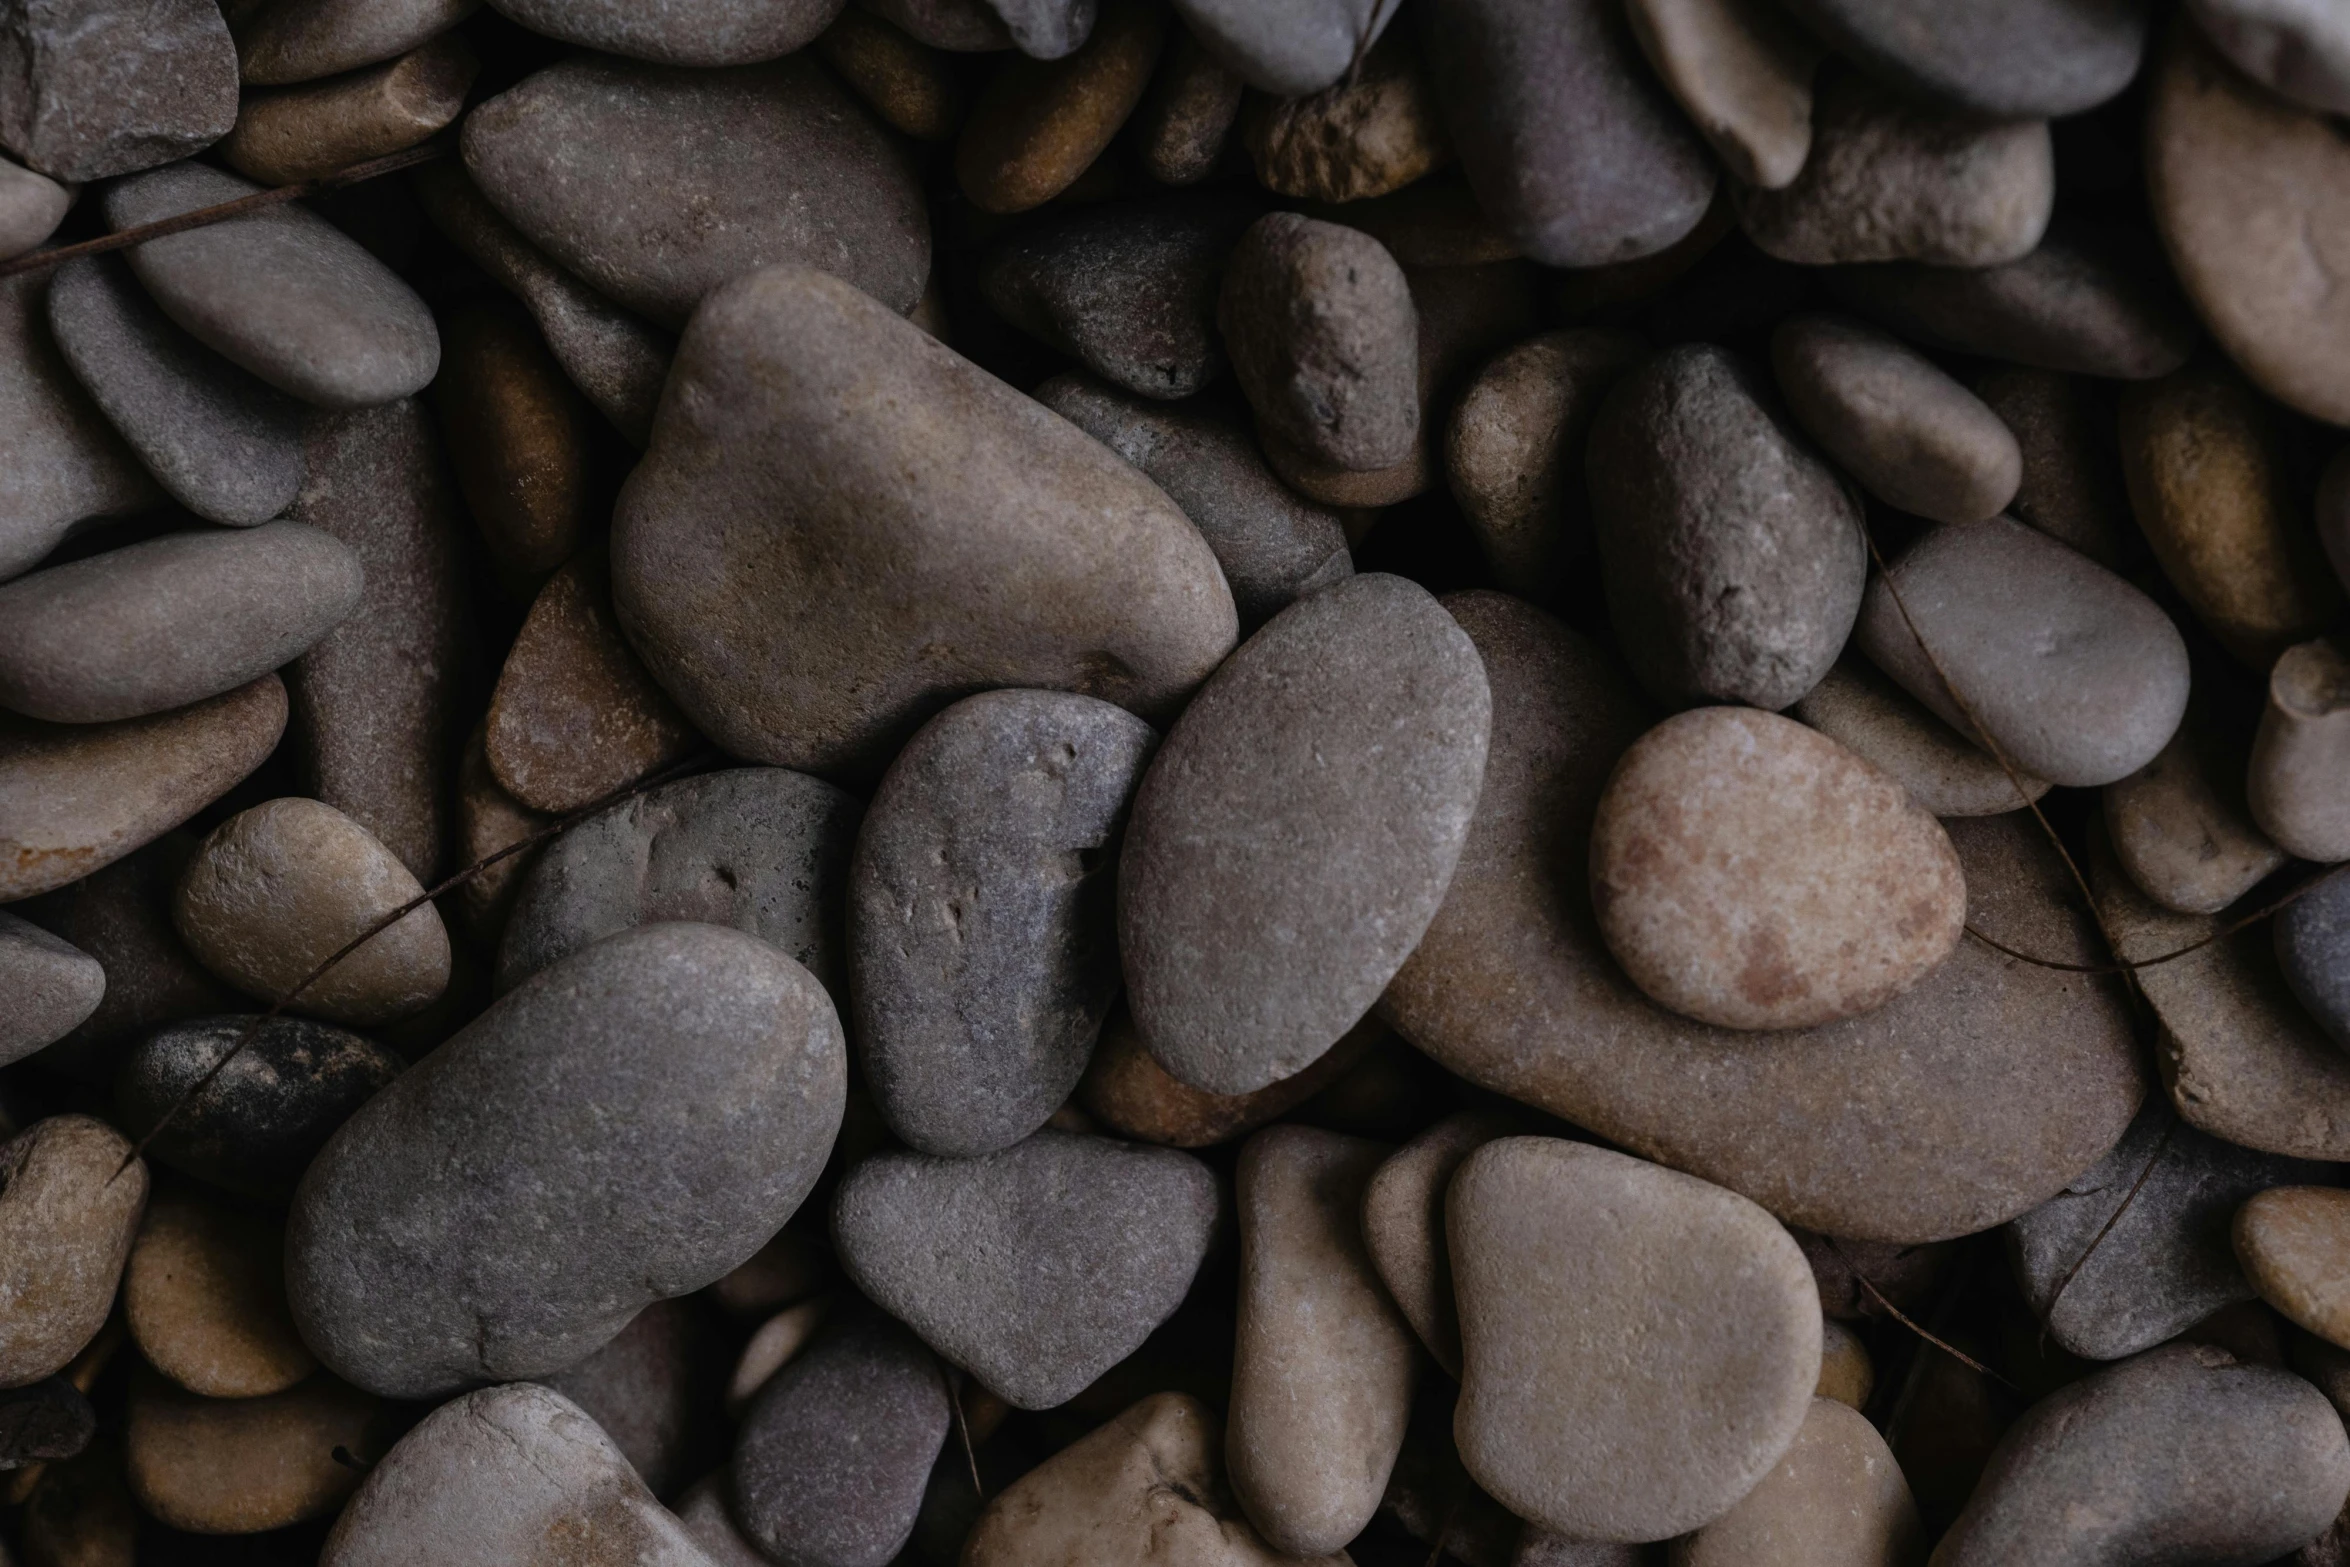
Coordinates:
(1846, 1373)
(31, 207)
(570, 1217)
(1374, 131)
(2191, 1456)
(1129, 289)
(1039, 124)
(1291, 47)
(1274, 546)
(2072, 485)
(219, 441)
(776, 1343)
(283, 292)
(758, 849)
(155, 626)
(2296, 788)
(2034, 59)
(503, 1476)
(68, 1210)
(1351, 732)
(304, 133)
(1574, 150)
(2244, 189)
(1911, 434)
(205, 1298)
(1182, 124)
(2291, 47)
(1432, 222)
(259, 1123)
(1127, 1090)
(971, 539)
(1037, 1268)
(959, 26)
(236, 1466)
(2313, 949)
(1752, 873)
(1323, 1362)
(697, 32)
(1889, 179)
(52, 987)
(2077, 676)
(1403, 1224)
(522, 440)
(830, 1463)
(791, 1267)
(575, 714)
(278, 888)
(1742, 73)
(65, 464)
(1514, 451)
(982, 937)
(489, 819)
(658, 184)
(1732, 554)
(2294, 1242)
(911, 86)
(112, 86)
(42, 1422)
(1885, 726)
(655, 1390)
(2168, 1193)
(1835, 1499)
(1639, 1347)
(2179, 825)
(1971, 1098)
(283, 41)
(75, 798)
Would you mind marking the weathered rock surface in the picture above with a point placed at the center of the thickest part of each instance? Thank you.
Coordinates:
(247, 1465)
(68, 1210)
(1374, 132)
(1835, 1499)
(307, 132)
(103, 89)
(699, 32)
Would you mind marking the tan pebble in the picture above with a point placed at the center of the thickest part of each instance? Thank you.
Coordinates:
(1180, 130)
(1847, 1375)
(2299, 786)
(1136, 1097)
(2294, 1244)
(1742, 70)
(770, 1349)
(2180, 826)
(300, 133)
(490, 819)
(906, 82)
(243, 1465)
(1373, 132)
(68, 1210)
(1836, 1499)
(205, 1295)
(1041, 123)
(521, 439)
(1858, 708)
(1403, 1224)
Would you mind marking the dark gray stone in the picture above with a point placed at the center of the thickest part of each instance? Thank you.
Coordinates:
(46, 1420)
(52, 986)
(958, 26)
(1129, 289)
(220, 441)
(831, 1462)
(696, 32)
(1732, 554)
(61, 464)
(282, 292)
(256, 1127)
(1287, 47)
(657, 184)
(2010, 59)
(2313, 948)
(1047, 29)
(656, 1390)
(983, 949)
(760, 849)
(1035, 1269)
(282, 41)
(94, 88)
(630, 1124)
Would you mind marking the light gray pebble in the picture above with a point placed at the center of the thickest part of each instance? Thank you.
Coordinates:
(50, 984)
(1287, 47)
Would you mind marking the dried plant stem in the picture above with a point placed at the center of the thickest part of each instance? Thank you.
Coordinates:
(1903, 1317)
(970, 1453)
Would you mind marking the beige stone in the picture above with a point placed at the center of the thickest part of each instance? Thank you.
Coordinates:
(1374, 131)
(1847, 1375)
(243, 1465)
(1742, 71)
(2294, 1244)
(2180, 826)
(1835, 1499)
(1041, 123)
(906, 82)
(205, 1295)
(1858, 708)
(521, 438)
(770, 1349)
(300, 133)
(1403, 1224)
(68, 1209)
(1135, 1097)
(2299, 786)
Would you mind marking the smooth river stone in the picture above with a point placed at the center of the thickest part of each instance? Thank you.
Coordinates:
(2294, 1242)
(1836, 1498)
(283, 293)
(982, 920)
(31, 207)
(655, 1389)
(51, 984)
(1742, 72)
(156, 626)
(930, 529)
(2018, 59)
(77, 797)
(2192, 1458)
(1732, 555)
(2077, 676)
(1639, 1347)
(68, 1210)
(507, 1477)
(1287, 48)
(1323, 1362)
(2247, 191)
(222, 1466)
(205, 1298)
(698, 32)
(907, 83)
(1297, 831)
(104, 87)
(1885, 726)
(2299, 48)
(1752, 873)
(1363, 137)
(2313, 949)
(1403, 1224)
(2157, 1211)
(2180, 826)
(61, 463)
(282, 41)
(1569, 142)
(759, 849)
(1039, 125)
(1036, 1269)
(2299, 782)
(523, 441)
(1972, 1097)
(306, 133)
(221, 442)
(658, 184)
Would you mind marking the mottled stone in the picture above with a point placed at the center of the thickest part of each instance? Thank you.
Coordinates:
(281, 41)
(1041, 123)
(32, 205)
(1403, 1224)
(205, 1297)
(1372, 132)
(283, 292)
(1732, 554)
(1180, 129)
(655, 1389)
(245, 1465)
(52, 987)
(657, 184)
(108, 86)
(911, 86)
(930, 529)
(2025, 59)
(68, 1209)
(2298, 789)
(2292, 47)
(1836, 1499)
(61, 463)
(42, 1422)
(1891, 730)
(2072, 485)
(1742, 72)
(2313, 950)
(303, 133)
(2179, 825)
(1127, 1090)
(683, 32)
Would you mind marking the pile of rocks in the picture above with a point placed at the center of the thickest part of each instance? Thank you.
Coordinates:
(1238, 781)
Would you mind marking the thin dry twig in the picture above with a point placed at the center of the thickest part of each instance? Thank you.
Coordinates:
(970, 1453)
(1903, 1317)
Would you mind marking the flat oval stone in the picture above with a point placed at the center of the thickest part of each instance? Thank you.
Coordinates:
(982, 935)
(283, 293)
(1639, 1347)
(657, 184)
(159, 625)
(489, 819)
(1403, 1224)
(1126, 1089)
(2291, 47)
(2313, 950)
(2294, 1242)
(68, 1211)
(1289, 47)
(1836, 1498)
(1752, 873)
(2295, 783)
(1892, 731)
(916, 564)
(1732, 554)
(2179, 825)
(205, 1296)
(281, 41)
(306, 133)
(962, 26)
(654, 1389)
(2027, 59)
(1374, 132)
(2078, 677)
(106, 88)
(77, 797)
(1912, 435)
(774, 1345)
(466, 1179)
(1742, 73)
(2072, 483)
(710, 32)
(1347, 738)
(64, 463)
(1040, 124)
(757, 848)
(1036, 1269)
(279, 888)
(52, 986)
(2192, 1457)
(1972, 1097)
(245, 1465)
(256, 1126)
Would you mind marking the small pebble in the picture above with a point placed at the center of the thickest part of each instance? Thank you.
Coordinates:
(303, 133)
(1373, 132)
(1403, 1224)
(2313, 949)
(1127, 1090)
(2072, 483)
(2294, 1242)
(52, 987)
(111, 86)
(68, 1211)
(204, 1294)
(1743, 73)
(1846, 1373)
(1836, 1498)
(2180, 826)
(2033, 59)
(909, 85)
(228, 1466)
(1039, 124)
(1885, 726)
(2298, 788)
(1181, 126)
(773, 1346)
(282, 41)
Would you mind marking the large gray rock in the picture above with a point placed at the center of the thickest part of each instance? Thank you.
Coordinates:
(911, 529)
(61, 463)
(2012, 60)
(1297, 831)
(983, 949)
(629, 1124)
(101, 87)
(711, 32)
(1287, 47)
(51, 986)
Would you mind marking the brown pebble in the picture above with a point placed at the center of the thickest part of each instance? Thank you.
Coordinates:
(1846, 1373)
(1127, 1089)
(68, 1210)
(2294, 1244)
(300, 133)
(905, 82)
(1836, 1498)
(521, 439)
(2299, 787)
(1403, 1224)
(205, 1296)
(1180, 130)
(244, 1465)
(1374, 131)
(1041, 123)
(489, 819)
